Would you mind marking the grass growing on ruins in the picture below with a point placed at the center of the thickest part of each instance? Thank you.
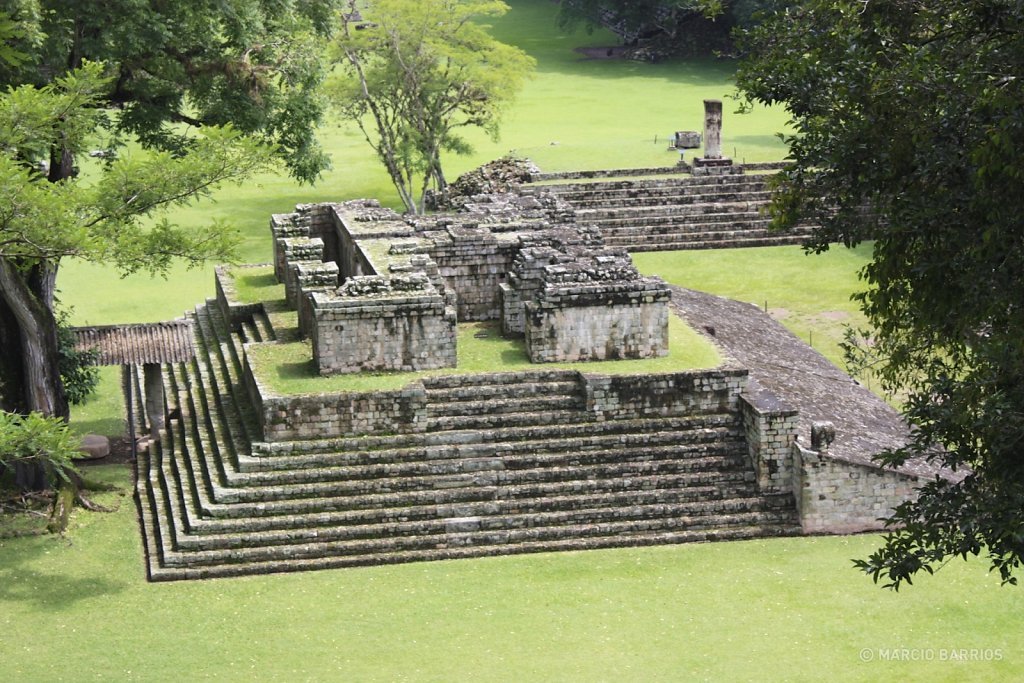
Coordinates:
(791, 609)
(289, 369)
(809, 294)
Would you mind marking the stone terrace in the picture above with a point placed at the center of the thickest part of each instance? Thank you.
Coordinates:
(537, 461)
(663, 214)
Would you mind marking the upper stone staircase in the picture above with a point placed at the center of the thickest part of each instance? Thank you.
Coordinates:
(662, 214)
(507, 464)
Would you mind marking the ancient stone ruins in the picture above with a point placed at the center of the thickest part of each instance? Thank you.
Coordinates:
(240, 477)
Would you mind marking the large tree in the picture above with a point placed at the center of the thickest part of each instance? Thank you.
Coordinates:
(112, 219)
(413, 73)
(674, 24)
(256, 64)
(908, 130)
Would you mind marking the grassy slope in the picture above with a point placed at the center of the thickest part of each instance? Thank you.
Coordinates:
(783, 609)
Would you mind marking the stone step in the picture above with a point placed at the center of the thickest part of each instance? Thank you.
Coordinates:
(686, 451)
(626, 201)
(199, 515)
(264, 330)
(721, 235)
(495, 472)
(651, 184)
(613, 539)
(499, 379)
(586, 216)
(487, 422)
(478, 392)
(737, 243)
(470, 531)
(368, 448)
(612, 226)
(494, 407)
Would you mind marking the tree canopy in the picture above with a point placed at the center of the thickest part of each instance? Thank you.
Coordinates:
(909, 130)
(256, 64)
(414, 73)
(668, 22)
(113, 219)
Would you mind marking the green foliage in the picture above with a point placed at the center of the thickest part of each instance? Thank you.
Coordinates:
(78, 369)
(256, 64)
(34, 440)
(665, 21)
(909, 130)
(103, 221)
(415, 75)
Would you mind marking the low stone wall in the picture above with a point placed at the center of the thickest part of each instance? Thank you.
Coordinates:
(628, 397)
(598, 321)
(835, 496)
(233, 312)
(319, 416)
(473, 263)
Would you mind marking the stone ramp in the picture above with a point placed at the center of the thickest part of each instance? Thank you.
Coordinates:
(663, 214)
(509, 464)
(801, 378)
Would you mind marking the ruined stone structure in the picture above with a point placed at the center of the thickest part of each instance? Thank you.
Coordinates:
(245, 479)
(376, 292)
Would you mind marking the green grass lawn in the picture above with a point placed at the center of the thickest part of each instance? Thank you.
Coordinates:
(78, 607)
(808, 293)
(289, 368)
(785, 609)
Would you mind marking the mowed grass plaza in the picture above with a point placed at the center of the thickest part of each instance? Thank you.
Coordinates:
(78, 607)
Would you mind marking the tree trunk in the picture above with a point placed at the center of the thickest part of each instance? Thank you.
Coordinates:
(12, 389)
(30, 298)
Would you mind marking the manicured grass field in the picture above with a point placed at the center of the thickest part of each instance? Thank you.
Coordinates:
(768, 610)
(78, 608)
(808, 293)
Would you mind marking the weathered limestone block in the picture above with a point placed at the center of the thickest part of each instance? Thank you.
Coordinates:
(373, 323)
(597, 308)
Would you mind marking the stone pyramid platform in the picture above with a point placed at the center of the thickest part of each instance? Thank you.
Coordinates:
(538, 461)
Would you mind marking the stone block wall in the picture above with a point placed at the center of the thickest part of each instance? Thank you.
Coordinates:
(234, 313)
(628, 397)
(307, 275)
(318, 416)
(373, 323)
(473, 263)
(598, 322)
(771, 430)
(835, 496)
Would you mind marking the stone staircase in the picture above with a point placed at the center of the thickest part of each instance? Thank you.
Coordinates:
(507, 464)
(709, 212)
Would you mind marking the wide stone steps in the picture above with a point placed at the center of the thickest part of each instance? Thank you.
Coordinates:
(700, 185)
(477, 473)
(732, 243)
(509, 463)
(662, 214)
(668, 225)
(679, 211)
(513, 456)
(666, 199)
(612, 539)
(474, 530)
